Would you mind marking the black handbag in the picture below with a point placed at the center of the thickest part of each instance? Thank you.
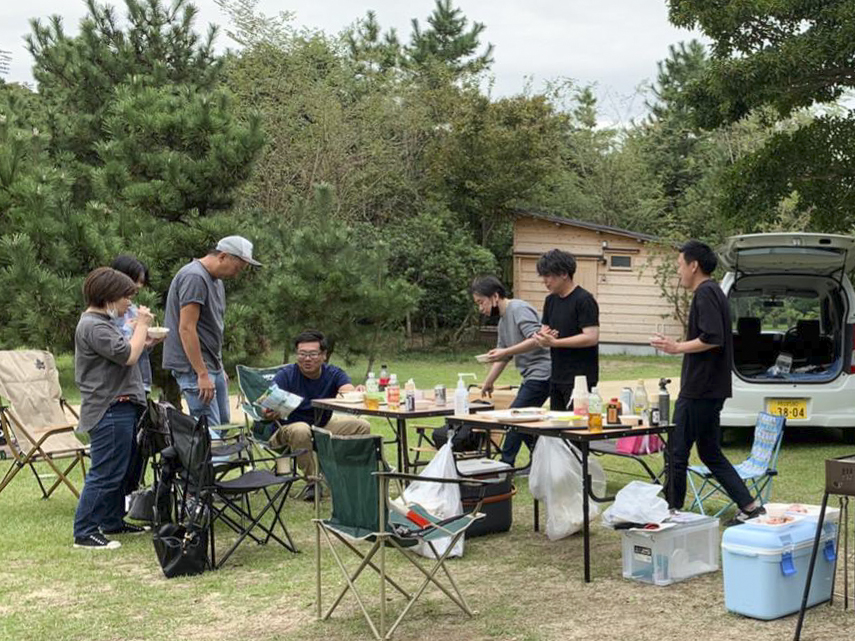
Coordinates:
(181, 550)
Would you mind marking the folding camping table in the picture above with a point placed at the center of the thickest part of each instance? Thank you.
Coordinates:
(397, 418)
(582, 439)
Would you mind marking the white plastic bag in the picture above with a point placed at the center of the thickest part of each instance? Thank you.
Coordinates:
(440, 499)
(556, 479)
(637, 502)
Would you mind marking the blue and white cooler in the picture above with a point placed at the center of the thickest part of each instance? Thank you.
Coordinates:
(765, 566)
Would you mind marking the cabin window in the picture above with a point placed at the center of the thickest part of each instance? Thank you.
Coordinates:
(621, 263)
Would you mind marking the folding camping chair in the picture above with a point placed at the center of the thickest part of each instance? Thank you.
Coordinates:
(33, 418)
(757, 471)
(358, 479)
(225, 497)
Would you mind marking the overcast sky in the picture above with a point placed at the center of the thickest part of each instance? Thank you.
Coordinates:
(613, 43)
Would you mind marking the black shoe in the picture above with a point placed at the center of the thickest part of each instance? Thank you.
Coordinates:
(127, 528)
(308, 493)
(741, 517)
(96, 542)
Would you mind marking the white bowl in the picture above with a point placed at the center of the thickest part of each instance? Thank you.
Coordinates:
(483, 358)
(157, 332)
(353, 397)
(630, 420)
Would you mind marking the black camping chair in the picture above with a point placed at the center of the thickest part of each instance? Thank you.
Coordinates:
(223, 497)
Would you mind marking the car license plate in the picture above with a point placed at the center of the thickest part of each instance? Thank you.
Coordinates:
(790, 408)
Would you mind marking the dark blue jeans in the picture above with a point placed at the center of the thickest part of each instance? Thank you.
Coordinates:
(112, 449)
(531, 394)
(697, 421)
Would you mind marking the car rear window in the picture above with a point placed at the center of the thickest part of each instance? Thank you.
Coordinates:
(787, 335)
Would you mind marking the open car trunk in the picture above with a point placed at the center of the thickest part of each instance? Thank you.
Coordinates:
(788, 329)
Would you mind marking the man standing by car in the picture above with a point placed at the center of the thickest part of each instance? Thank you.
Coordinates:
(195, 309)
(311, 378)
(705, 380)
(518, 323)
(571, 327)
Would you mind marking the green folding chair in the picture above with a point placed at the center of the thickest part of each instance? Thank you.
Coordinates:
(358, 479)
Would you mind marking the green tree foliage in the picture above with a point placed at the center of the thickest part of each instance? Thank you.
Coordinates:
(173, 152)
(335, 278)
(130, 146)
(447, 43)
(776, 58)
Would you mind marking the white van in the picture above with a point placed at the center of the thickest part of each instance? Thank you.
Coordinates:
(793, 311)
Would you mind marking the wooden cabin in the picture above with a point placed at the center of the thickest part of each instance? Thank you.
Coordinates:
(617, 266)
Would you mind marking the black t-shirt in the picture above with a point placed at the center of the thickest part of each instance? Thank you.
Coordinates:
(707, 374)
(569, 315)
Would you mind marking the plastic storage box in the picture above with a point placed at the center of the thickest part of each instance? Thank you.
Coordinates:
(498, 497)
(688, 547)
(765, 567)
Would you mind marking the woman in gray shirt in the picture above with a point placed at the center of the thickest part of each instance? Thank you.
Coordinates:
(112, 398)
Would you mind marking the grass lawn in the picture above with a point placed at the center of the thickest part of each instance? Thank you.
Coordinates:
(523, 586)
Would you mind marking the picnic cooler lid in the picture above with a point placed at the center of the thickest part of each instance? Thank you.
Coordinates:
(476, 467)
(770, 542)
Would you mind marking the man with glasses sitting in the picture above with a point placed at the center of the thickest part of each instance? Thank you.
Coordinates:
(312, 378)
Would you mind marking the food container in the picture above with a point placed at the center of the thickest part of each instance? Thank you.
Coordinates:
(630, 420)
(765, 567)
(157, 333)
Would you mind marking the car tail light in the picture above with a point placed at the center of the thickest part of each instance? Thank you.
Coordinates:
(852, 359)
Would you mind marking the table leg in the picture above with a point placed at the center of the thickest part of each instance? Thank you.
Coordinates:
(811, 566)
(403, 447)
(586, 525)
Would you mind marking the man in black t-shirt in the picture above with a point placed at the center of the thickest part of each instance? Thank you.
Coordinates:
(705, 380)
(571, 319)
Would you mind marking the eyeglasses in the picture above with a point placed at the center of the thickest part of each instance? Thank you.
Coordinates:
(308, 355)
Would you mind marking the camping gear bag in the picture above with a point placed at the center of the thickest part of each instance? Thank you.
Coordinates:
(181, 550)
(639, 445)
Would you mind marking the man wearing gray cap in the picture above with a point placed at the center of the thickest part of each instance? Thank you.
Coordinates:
(195, 309)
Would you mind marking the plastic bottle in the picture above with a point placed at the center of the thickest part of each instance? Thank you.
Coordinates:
(372, 386)
(580, 402)
(640, 400)
(664, 402)
(384, 377)
(595, 411)
(393, 393)
(410, 395)
(461, 395)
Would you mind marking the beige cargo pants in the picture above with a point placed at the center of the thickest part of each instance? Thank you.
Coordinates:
(298, 436)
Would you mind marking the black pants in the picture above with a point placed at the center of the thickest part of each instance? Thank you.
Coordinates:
(561, 394)
(697, 421)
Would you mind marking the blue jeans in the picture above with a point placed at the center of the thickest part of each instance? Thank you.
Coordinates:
(531, 394)
(217, 410)
(112, 448)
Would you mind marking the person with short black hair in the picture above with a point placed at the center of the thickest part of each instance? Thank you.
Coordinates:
(195, 313)
(112, 399)
(137, 272)
(518, 323)
(312, 378)
(705, 381)
(570, 327)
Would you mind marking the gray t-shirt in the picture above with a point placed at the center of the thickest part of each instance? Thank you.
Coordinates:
(193, 284)
(100, 354)
(519, 323)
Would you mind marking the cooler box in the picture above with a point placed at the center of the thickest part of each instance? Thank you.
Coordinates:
(498, 497)
(688, 547)
(765, 567)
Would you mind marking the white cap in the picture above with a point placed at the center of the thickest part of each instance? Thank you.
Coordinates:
(238, 246)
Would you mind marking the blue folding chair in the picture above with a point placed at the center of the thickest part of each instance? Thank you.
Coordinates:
(757, 471)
